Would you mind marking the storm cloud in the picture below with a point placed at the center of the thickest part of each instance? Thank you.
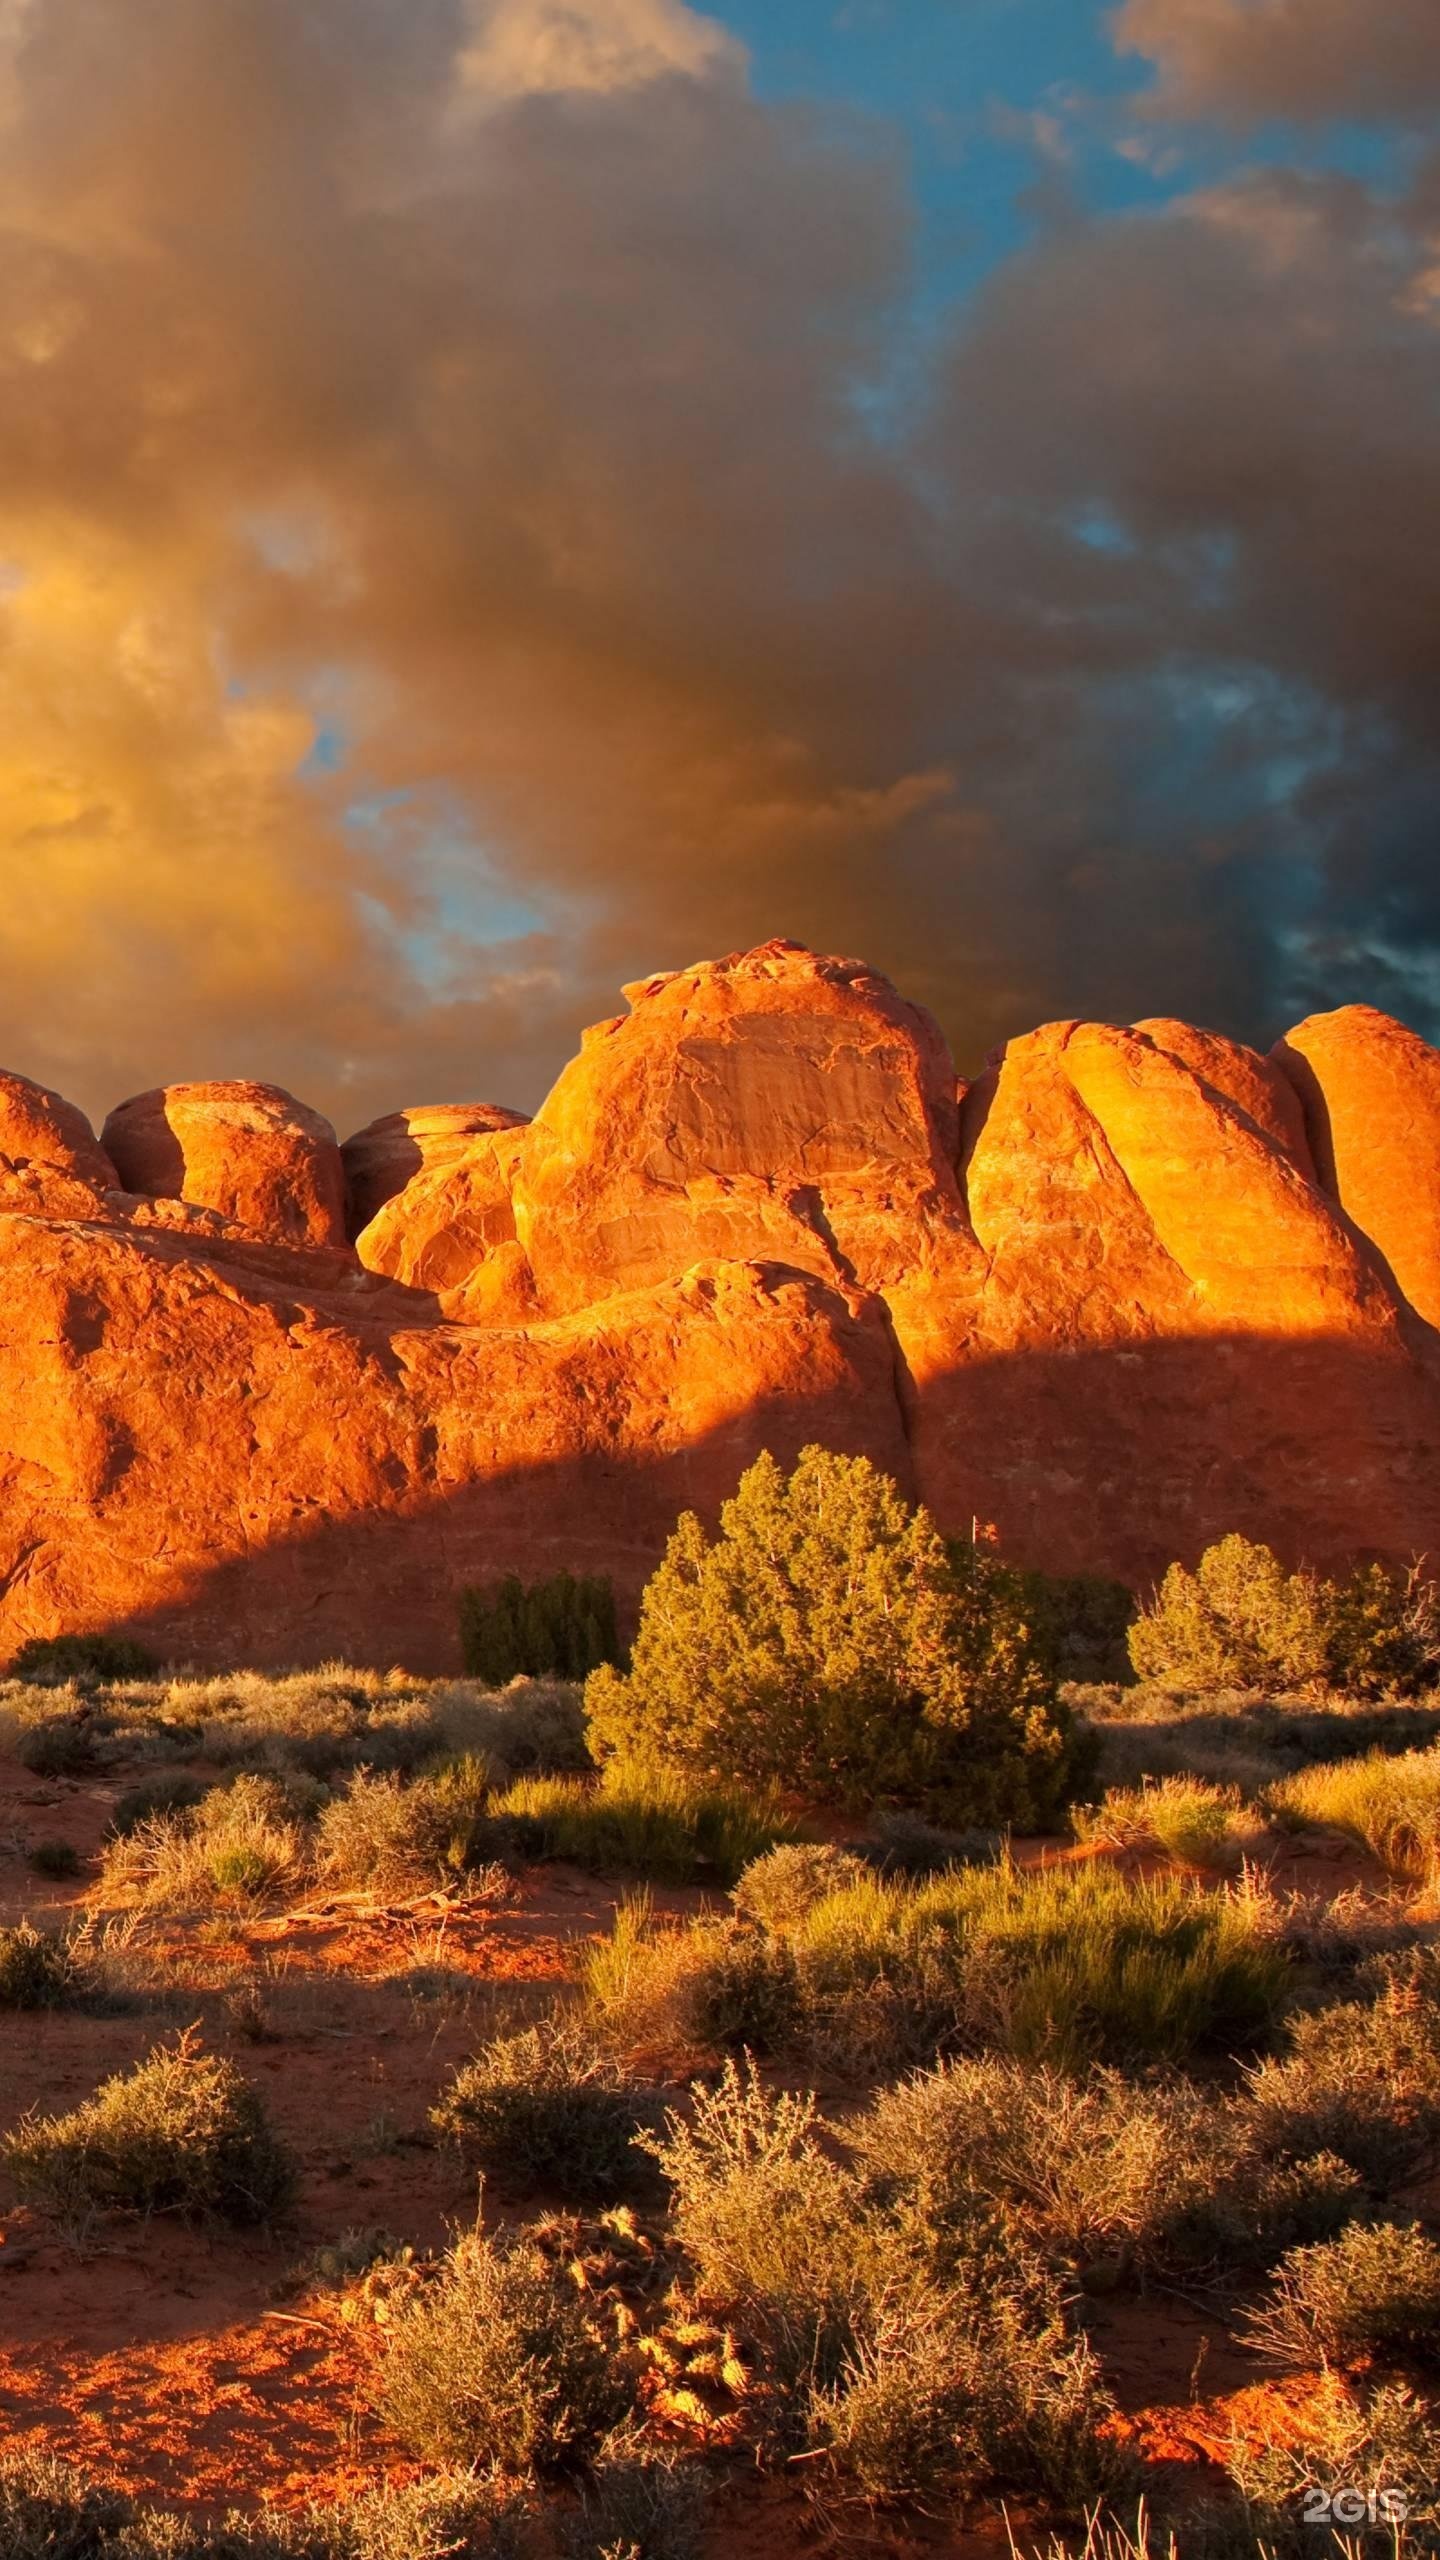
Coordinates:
(476, 525)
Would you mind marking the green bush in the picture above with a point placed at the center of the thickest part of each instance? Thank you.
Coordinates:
(90, 1661)
(239, 1842)
(779, 1888)
(659, 1824)
(500, 2362)
(544, 2108)
(826, 1641)
(1374, 2291)
(183, 2132)
(563, 1628)
(1240, 1621)
(1084, 1620)
(37, 1970)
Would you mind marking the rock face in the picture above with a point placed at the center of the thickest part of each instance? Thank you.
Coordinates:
(1136, 1288)
(251, 1152)
(379, 1161)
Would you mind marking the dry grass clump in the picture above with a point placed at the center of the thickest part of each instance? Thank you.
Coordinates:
(396, 1836)
(42, 1969)
(501, 2362)
(1070, 1965)
(664, 1825)
(50, 2512)
(545, 2108)
(1374, 2291)
(339, 1718)
(1375, 2454)
(1107, 2178)
(639, 2505)
(1201, 1824)
(1391, 1805)
(182, 2133)
(1362, 2077)
(239, 1842)
(777, 1889)
(912, 2372)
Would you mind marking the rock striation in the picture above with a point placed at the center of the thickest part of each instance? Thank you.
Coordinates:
(266, 1399)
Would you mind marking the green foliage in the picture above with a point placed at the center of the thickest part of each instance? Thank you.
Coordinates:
(1196, 1822)
(1070, 1965)
(1374, 2291)
(1084, 1621)
(664, 1825)
(777, 1890)
(1392, 1805)
(827, 1641)
(90, 1661)
(37, 1970)
(500, 2362)
(544, 2108)
(1240, 1621)
(239, 1842)
(183, 2132)
(562, 1628)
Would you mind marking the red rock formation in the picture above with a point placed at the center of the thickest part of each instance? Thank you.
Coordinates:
(380, 1160)
(252, 1152)
(1106, 1304)
(1370, 1091)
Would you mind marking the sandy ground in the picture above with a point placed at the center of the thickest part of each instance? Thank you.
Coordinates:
(196, 2368)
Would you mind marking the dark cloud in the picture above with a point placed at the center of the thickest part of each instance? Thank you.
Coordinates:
(1245, 60)
(497, 391)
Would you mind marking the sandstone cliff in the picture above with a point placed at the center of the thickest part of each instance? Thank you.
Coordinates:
(1129, 1289)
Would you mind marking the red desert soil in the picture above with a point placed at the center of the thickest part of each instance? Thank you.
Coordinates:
(190, 2366)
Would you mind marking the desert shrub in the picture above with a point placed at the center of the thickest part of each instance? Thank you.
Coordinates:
(1240, 1621)
(639, 2505)
(50, 2512)
(54, 1858)
(239, 1842)
(779, 1888)
(546, 2108)
(1364, 2450)
(1067, 1964)
(37, 1969)
(500, 2362)
(1362, 2077)
(1373, 2291)
(385, 1832)
(825, 1640)
(661, 1824)
(1194, 1821)
(560, 1629)
(170, 1792)
(1106, 2177)
(59, 1746)
(912, 2377)
(1391, 1805)
(1083, 1619)
(532, 1727)
(90, 1661)
(183, 2132)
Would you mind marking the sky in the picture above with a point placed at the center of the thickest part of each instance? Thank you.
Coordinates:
(500, 497)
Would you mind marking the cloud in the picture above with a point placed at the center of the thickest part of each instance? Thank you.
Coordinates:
(525, 48)
(1247, 60)
(453, 561)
